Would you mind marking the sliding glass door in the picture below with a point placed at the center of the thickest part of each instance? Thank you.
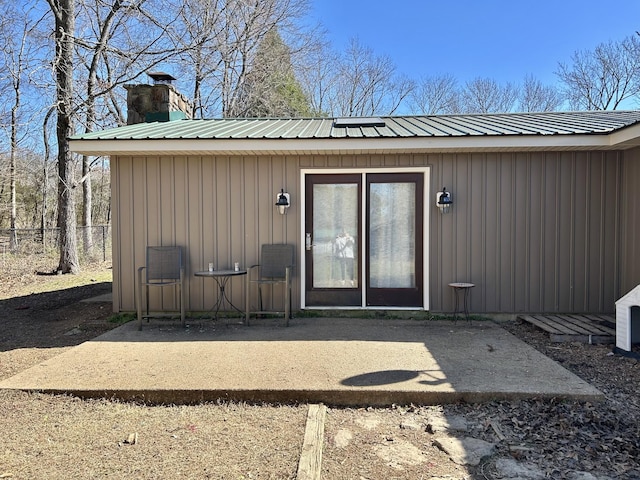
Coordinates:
(383, 267)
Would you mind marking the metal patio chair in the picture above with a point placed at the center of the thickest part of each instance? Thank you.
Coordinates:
(164, 268)
(275, 268)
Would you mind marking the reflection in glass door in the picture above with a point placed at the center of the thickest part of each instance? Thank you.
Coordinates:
(335, 252)
(333, 240)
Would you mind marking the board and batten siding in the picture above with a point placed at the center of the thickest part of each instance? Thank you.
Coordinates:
(531, 230)
(535, 231)
(220, 210)
(630, 225)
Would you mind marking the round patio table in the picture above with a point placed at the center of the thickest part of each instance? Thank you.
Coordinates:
(221, 278)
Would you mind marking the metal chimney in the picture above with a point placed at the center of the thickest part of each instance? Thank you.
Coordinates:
(161, 78)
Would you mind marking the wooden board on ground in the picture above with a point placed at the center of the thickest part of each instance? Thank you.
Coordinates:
(591, 327)
(573, 327)
(310, 464)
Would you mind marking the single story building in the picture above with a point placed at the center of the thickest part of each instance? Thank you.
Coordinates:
(545, 214)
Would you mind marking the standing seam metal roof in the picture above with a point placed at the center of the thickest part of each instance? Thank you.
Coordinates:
(550, 123)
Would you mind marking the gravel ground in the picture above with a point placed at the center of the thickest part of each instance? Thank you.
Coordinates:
(58, 437)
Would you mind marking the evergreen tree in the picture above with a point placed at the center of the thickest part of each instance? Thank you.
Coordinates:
(271, 88)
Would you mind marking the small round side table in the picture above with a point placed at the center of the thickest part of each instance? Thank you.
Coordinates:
(461, 289)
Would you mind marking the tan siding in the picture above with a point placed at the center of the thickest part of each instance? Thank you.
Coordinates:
(534, 280)
(521, 243)
(550, 257)
(630, 221)
(534, 231)
(505, 237)
(529, 229)
(117, 232)
(565, 237)
(610, 237)
(195, 205)
(133, 215)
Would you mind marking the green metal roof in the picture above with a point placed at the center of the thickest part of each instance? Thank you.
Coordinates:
(556, 123)
(595, 130)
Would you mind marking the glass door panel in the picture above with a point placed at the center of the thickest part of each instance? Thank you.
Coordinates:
(392, 232)
(394, 239)
(333, 240)
(335, 248)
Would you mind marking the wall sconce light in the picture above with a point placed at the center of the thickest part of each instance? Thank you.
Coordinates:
(283, 202)
(444, 201)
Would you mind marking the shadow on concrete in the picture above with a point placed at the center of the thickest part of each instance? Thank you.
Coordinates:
(387, 377)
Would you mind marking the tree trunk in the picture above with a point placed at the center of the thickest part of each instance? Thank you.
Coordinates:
(67, 209)
(64, 14)
(13, 239)
(43, 218)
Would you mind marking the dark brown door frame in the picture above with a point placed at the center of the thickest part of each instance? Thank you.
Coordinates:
(413, 298)
(399, 297)
(331, 297)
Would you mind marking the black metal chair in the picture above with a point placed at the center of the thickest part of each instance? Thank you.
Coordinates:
(275, 268)
(164, 268)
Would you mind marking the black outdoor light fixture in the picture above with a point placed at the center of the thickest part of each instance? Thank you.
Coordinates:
(444, 201)
(283, 201)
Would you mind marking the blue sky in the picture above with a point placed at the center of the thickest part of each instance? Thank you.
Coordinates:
(500, 39)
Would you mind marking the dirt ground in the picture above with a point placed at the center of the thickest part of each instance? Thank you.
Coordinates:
(58, 437)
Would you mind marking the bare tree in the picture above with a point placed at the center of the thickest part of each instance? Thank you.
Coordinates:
(603, 78)
(64, 15)
(13, 64)
(116, 41)
(316, 72)
(366, 84)
(435, 95)
(256, 20)
(45, 171)
(201, 33)
(220, 40)
(536, 97)
(17, 58)
(485, 95)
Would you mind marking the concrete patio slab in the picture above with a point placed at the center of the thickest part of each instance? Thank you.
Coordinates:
(337, 361)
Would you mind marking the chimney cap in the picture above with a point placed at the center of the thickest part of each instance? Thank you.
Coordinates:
(161, 77)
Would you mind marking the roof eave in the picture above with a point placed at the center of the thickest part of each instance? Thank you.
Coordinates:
(623, 139)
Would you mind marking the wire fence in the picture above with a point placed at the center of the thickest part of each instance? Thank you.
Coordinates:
(94, 243)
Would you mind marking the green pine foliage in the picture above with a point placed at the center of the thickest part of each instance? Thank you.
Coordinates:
(271, 89)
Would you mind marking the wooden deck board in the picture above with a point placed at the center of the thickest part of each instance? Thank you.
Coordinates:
(592, 326)
(601, 318)
(541, 324)
(555, 324)
(573, 327)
